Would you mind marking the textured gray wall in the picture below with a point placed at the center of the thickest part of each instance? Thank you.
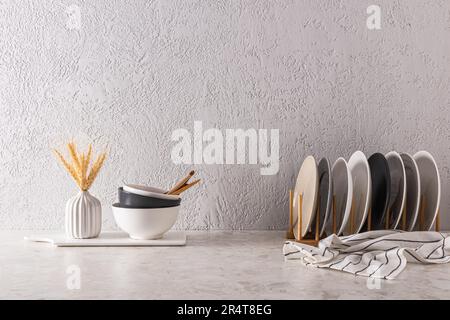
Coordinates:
(136, 70)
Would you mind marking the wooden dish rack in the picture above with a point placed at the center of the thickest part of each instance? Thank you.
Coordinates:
(313, 238)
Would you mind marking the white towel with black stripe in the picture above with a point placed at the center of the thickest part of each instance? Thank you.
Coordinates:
(377, 254)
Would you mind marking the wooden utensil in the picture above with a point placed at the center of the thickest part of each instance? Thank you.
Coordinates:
(181, 183)
(185, 187)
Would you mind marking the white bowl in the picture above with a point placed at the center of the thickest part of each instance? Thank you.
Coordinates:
(145, 224)
(149, 192)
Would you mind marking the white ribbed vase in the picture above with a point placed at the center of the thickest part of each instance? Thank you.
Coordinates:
(83, 216)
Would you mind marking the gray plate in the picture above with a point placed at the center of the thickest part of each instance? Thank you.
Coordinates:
(325, 193)
(397, 197)
(412, 190)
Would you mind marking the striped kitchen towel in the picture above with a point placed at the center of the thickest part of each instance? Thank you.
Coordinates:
(377, 254)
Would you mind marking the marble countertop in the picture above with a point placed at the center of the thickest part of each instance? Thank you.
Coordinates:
(213, 265)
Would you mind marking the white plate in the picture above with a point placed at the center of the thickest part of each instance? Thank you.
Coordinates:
(110, 239)
(343, 193)
(308, 185)
(397, 197)
(362, 190)
(412, 190)
(149, 192)
(325, 196)
(430, 186)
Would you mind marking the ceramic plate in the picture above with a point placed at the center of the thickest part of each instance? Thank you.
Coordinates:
(412, 190)
(381, 185)
(308, 185)
(343, 193)
(430, 186)
(397, 197)
(362, 191)
(325, 194)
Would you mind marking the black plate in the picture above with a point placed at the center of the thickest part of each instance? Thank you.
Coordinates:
(136, 201)
(381, 190)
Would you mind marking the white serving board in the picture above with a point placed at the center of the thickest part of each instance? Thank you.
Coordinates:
(110, 239)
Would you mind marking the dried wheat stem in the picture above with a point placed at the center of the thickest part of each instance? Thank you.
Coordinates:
(83, 170)
(76, 160)
(89, 156)
(95, 169)
(68, 167)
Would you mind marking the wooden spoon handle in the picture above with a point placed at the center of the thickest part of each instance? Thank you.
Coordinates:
(180, 183)
(185, 187)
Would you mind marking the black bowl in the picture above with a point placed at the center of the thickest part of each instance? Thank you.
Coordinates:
(136, 201)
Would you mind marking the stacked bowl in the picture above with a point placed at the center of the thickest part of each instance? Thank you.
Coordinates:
(145, 212)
